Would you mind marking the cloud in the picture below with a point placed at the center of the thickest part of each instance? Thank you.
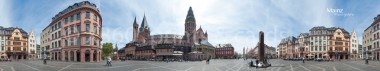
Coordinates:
(235, 22)
(228, 21)
(5, 13)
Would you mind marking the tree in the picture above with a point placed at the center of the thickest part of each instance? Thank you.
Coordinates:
(107, 49)
(237, 55)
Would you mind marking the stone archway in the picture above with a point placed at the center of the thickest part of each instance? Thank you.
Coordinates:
(66, 56)
(71, 56)
(78, 55)
(59, 56)
(87, 55)
(55, 55)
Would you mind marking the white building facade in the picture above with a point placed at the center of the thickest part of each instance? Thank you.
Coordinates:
(32, 45)
(354, 50)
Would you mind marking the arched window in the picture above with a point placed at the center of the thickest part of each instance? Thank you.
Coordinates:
(94, 41)
(78, 41)
(66, 43)
(72, 41)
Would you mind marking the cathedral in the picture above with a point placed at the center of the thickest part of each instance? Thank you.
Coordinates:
(145, 46)
(142, 34)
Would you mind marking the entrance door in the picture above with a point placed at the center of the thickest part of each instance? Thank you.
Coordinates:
(78, 55)
(87, 55)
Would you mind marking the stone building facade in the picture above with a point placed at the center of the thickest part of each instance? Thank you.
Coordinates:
(320, 42)
(371, 36)
(224, 51)
(287, 47)
(32, 45)
(74, 34)
(354, 45)
(15, 43)
(302, 45)
(162, 46)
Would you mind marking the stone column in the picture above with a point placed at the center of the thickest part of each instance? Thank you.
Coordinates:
(100, 58)
(97, 56)
(22, 56)
(59, 55)
(16, 57)
(261, 46)
(51, 55)
(377, 55)
(82, 56)
(338, 56)
(75, 56)
(63, 55)
(68, 56)
(91, 55)
(54, 58)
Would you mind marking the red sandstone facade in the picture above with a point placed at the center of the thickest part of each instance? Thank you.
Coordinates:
(80, 33)
(224, 51)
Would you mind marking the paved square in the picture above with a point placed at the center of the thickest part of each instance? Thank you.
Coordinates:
(215, 65)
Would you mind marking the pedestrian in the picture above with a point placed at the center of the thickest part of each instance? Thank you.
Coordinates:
(207, 61)
(303, 60)
(109, 60)
(45, 61)
(257, 63)
(107, 63)
(251, 63)
(366, 61)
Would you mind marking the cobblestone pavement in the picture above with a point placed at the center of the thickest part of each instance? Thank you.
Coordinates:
(215, 65)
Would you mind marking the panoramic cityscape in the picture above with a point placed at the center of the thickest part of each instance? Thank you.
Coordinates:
(196, 35)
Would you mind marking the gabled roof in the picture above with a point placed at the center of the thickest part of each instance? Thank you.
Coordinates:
(204, 42)
(291, 39)
(200, 28)
(8, 31)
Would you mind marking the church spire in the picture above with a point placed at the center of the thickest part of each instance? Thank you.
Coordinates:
(135, 22)
(144, 23)
(190, 15)
(200, 29)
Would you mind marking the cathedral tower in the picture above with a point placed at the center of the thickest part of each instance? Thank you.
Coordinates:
(190, 26)
(144, 31)
(135, 30)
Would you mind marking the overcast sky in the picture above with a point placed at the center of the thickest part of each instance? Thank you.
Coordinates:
(227, 21)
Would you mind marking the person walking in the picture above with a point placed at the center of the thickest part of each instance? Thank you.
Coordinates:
(251, 63)
(109, 60)
(303, 60)
(107, 63)
(257, 63)
(208, 61)
(44, 61)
